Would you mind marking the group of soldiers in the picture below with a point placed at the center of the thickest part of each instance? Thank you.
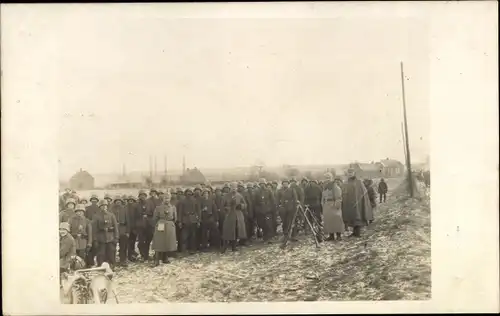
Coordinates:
(206, 218)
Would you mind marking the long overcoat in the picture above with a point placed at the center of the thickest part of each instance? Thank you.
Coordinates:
(332, 212)
(164, 238)
(234, 220)
(356, 208)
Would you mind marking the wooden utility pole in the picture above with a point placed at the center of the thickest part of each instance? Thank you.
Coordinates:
(408, 157)
(404, 141)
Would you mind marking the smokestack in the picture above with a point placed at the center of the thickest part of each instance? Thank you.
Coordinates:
(150, 167)
(183, 164)
(155, 168)
(123, 170)
(165, 164)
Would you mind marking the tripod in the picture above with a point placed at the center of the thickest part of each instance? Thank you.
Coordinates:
(293, 224)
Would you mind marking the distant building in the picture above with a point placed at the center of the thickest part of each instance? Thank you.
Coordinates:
(392, 168)
(367, 170)
(127, 182)
(82, 180)
(193, 176)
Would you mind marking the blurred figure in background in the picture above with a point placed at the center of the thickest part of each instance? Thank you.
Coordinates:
(372, 196)
(69, 210)
(382, 190)
(234, 223)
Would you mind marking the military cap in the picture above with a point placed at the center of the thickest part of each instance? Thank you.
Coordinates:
(314, 181)
(94, 197)
(153, 190)
(160, 191)
(80, 207)
(188, 190)
(103, 202)
(197, 187)
(285, 181)
(293, 179)
(117, 198)
(205, 190)
(64, 225)
(304, 179)
(240, 184)
(73, 191)
(226, 185)
(269, 184)
(70, 200)
(131, 198)
(250, 185)
(142, 192)
(262, 181)
(83, 199)
(328, 176)
(124, 197)
(234, 185)
(218, 189)
(180, 191)
(255, 185)
(107, 196)
(274, 182)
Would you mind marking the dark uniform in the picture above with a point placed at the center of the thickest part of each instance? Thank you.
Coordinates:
(134, 217)
(264, 206)
(288, 205)
(144, 232)
(81, 230)
(313, 194)
(382, 190)
(209, 222)
(106, 234)
(122, 215)
(189, 222)
(218, 200)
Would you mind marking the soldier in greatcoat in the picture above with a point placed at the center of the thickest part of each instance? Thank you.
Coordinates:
(67, 247)
(141, 224)
(69, 210)
(247, 212)
(251, 220)
(81, 230)
(219, 201)
(164, 239)
(122, 215)
(288, 201)
(264, 206)
(356, 208)
(332, 202)
(189, 221)
(134, 217)
(106, 234)
(209, 222)
(234, 223)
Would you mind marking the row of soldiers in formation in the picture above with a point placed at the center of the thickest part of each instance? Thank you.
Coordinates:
(207, 218)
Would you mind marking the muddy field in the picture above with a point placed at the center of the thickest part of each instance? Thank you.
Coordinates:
(390, 262)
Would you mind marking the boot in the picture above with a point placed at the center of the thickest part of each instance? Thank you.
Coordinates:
(331, 237)
(156, 259)
(356, 231)
(339, 236)
(224, 246)
(165, 258)
(233, 245)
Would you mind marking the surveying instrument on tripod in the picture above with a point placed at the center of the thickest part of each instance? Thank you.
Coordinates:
(304, 215)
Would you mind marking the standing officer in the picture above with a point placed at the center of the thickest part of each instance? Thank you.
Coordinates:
(106, 234)
(189, 222)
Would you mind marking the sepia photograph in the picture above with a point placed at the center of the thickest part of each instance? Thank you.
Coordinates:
(244, 160)
(208, 156)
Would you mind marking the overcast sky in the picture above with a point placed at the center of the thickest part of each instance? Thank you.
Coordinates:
(227, 92)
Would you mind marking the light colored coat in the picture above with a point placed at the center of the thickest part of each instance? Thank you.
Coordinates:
(331, 200)
(164, 238)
